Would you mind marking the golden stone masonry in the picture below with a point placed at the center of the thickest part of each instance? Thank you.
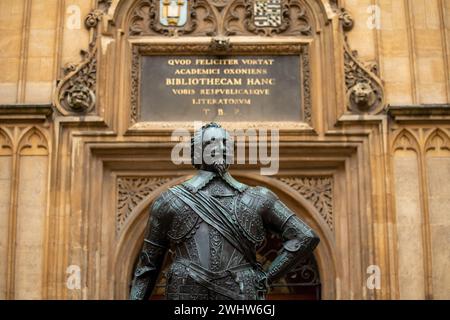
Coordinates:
(359, 91)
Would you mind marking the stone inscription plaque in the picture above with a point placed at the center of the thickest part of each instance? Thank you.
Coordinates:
(231, 88)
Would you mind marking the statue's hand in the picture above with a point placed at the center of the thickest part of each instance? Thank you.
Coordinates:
(262, 281)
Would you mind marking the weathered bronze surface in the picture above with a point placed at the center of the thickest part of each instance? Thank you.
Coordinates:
(214, 225)
(229, 88)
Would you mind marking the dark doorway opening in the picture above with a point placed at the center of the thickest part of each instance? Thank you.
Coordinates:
(301, 283)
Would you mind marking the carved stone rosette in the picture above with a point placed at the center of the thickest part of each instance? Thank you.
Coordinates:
(364, 88)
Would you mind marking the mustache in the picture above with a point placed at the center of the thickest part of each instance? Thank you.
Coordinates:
(220, 168)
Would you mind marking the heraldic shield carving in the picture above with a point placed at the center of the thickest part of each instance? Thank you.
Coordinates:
(267, 13)
(173, 12)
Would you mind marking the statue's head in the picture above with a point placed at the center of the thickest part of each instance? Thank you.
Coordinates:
(210, 148)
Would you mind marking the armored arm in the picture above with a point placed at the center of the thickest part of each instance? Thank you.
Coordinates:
(299, 240)
(153, 251)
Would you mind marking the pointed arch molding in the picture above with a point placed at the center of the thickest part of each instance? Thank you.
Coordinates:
(6, 147)
(437, 141)
(26, 149)
(406, 140)
(24, 140)
(33, 143)
(432, 141)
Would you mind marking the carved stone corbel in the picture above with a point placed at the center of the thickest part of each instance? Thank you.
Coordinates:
(364, 88)
(76, 92)
(220, 45)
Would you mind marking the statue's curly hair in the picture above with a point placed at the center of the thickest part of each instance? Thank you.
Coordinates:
(197, 139)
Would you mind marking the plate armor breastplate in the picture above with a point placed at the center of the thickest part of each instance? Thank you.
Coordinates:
(244, 207)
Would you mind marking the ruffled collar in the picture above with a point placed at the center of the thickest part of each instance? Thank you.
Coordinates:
(203, 177)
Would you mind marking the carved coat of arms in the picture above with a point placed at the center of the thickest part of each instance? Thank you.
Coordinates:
(173, 13)
(267, 13)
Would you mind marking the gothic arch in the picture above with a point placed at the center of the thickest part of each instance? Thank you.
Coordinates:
(405, 140)
(33, 142)
(438, 140)
(130, 240)
(6, 146)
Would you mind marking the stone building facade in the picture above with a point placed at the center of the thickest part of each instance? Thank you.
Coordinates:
(367, 165)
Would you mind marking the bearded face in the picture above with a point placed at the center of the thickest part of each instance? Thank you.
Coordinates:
(215, 145)
(363, 94)
(79, 98)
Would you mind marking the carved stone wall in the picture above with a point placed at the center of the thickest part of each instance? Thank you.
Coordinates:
(421, 161)
(24, 177)
(367, 167)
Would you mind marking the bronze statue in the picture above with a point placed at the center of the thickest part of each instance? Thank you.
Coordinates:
(214, 225)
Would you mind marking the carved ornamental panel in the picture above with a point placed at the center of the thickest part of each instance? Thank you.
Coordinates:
(219, 17)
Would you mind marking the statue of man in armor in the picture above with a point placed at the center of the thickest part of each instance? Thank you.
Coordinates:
(214, 225)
